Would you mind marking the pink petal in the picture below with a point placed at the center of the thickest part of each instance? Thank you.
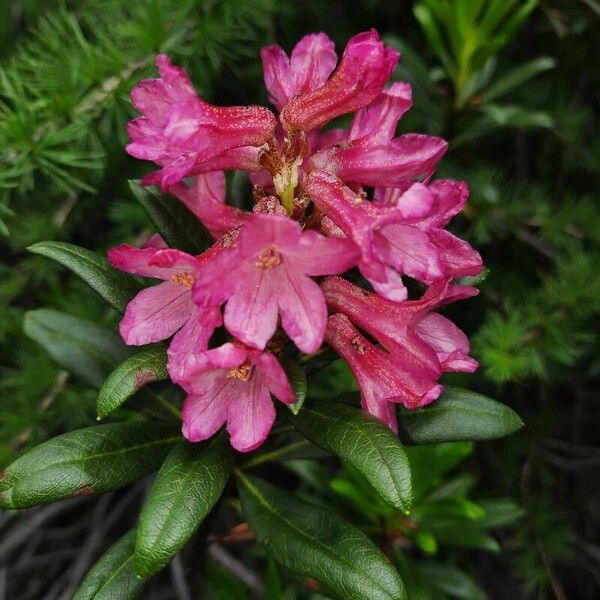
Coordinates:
(137, 261)
(274, 377)
(155, 314)
(450, 343)
(203, 415)
(320, 255)
(312, 61)
(179, 131)
(277, 75)
(451, 197)
(192, 339)
(408, 250)
(404, 159)
(392, 287)
(303, 309)
(250, 415)
(363, 70)
(206, 199)
(457, 256)
(251, 312)
(377, 121)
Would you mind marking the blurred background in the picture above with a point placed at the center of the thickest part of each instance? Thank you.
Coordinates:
(513, 86)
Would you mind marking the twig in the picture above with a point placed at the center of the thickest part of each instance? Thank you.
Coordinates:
(47, 400)
(236, 568)
(92, 542)
(178, 576)
(31, 521)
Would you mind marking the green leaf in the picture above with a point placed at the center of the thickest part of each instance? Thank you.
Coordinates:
(88, 461)
(364, 443)
(179, 227)
(460, 415)
(511, 115)
(186, 489)
(429, 463)
(517, 77)
(149, 364)
(313, 541)
(434, 37)
(112, 577)
(451, 581)
(273, 590)
(297, 376)
(499, 513)
(115, 287)
(461, 534)
(80, 346)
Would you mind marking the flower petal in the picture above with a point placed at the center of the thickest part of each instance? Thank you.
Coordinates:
(251, 312)
(155, 314)
(250, 414)
(303, 309)
(363, 70)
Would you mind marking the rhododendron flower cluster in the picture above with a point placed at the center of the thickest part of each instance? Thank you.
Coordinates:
(341, 218)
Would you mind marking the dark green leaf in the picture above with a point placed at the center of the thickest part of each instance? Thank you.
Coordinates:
(112, 577)
(364, 443)
(517, 77)
(87, 461)
(115, 287)
(179, 227)
(186, 489)
(451, 581)
(297, 376)
(313, 541)
(460, 415)
(149, 364)
(464, 534)
(80, 346)
(428, 464)
(499, 513)
(273, 589)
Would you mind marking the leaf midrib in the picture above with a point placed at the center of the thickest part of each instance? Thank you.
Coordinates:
(262, 500)
(96, 456)
(369, 439)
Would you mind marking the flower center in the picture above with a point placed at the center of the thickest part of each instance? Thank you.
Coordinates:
(184, 278)
(242, 372)
(285, 182)
(268, 258)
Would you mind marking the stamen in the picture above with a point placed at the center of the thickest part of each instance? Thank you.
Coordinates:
(184, 278)
(358, 346)
(243, 372)
(268, 258)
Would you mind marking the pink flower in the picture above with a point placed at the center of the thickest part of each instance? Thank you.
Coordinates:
(266, 273)
(233, 384)
(382, 380)
(421, 342)
(363, 70)
(448, 198)
(206, 199)
(312, 61)
(158, 312)
(388, 238)
(372, 155)
(180, 131)
(402, 237)
(313, 215)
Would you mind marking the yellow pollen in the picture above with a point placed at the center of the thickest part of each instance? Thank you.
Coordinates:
(185, 279)
(242, 373)
(268, 258)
